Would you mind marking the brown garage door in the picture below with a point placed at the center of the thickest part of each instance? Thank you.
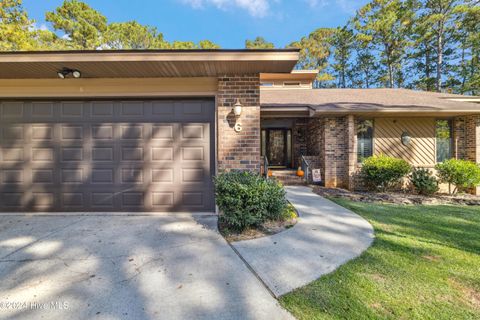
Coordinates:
(107, 156)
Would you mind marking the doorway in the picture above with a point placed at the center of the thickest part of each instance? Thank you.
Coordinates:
(277, 146)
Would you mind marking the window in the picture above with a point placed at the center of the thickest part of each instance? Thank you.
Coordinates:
(365, 139)
(443, 135)
(291, 84)
(266, 84)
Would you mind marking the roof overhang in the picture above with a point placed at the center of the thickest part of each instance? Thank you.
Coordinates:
(369, 102)
(146, 63)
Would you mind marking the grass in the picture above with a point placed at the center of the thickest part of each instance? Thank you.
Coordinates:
(423, 264)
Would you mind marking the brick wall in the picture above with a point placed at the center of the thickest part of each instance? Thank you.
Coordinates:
(316, 144)
(332, 147)
(299, 137)
(459, 138)
(238, 150)
(472, 138)
(336, 152)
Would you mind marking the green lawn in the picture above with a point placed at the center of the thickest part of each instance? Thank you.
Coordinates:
(424, 264)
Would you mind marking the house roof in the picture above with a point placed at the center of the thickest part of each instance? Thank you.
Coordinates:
(146, 63)
(365, 101)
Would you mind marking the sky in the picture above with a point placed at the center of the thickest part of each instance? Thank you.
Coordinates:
(226, 22)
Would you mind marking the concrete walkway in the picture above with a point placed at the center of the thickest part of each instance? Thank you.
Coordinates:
(326, 236)
(136, 267)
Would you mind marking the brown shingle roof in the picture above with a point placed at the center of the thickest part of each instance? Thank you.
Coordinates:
(368, 101)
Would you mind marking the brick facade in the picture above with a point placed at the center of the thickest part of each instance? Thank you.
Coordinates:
(329, 143)
(238, 150)
(336, 152)
(459, 138)
(299, 137)
(331, 148)
(472, 138)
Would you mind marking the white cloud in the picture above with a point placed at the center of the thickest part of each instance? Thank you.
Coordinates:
(256, 8)
(344, 5)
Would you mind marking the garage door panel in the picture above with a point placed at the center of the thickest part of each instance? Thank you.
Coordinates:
(12, 110)
(103, 153)
(106, 156)
(103, 132)
(101, 110)
(162, 132)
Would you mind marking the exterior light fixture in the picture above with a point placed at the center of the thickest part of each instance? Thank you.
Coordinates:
(237, 108)
(406, 138)
(62, 74)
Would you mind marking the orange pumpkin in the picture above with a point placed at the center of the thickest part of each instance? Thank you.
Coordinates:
(270, 173)
(300, 172)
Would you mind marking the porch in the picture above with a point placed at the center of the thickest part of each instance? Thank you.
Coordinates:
(335, 145)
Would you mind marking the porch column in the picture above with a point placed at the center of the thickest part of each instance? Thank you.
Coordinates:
(352, 151)
(459, 138)
(472, 141)
(238, 149)
(336, 143)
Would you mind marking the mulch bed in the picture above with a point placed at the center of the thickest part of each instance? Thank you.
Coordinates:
(399, 197)
(267, 229)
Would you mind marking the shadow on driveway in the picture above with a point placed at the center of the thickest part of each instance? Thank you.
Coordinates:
(125, 267)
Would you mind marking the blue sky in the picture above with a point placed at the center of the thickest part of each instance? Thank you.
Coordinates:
(226, 22)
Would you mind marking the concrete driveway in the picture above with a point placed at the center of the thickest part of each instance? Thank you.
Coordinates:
(125, 267)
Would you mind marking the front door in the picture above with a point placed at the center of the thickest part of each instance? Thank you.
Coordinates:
(277, 143)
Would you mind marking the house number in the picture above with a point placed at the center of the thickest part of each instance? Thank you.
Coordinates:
(238, 127)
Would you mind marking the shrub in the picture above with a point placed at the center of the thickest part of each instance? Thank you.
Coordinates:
(462, 174)
(383, 172)
(424, 182)
(247, 200)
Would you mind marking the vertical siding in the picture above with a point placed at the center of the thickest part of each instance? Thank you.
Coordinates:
(420, 152)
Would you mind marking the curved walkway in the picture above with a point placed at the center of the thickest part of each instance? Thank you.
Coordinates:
(326, 236)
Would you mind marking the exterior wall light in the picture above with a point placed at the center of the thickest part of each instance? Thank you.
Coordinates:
(62, 74)
(237, 108)
(406, 138)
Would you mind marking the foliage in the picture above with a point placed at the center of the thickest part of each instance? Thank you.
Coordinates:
(463, 174)
(342, 40)
(207, 44)
(246, 199)
(15, 26)
(420, 256)
(383, 172)
(385, 24)
(258, 43)
(132, 35)
(82, 24)
(315, 51)
(423, 181)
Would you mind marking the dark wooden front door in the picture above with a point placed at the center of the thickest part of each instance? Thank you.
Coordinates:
(278, 147)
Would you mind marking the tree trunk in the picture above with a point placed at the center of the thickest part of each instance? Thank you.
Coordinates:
(464, 70)
(390, 75)
(438, 85)
(427, 67)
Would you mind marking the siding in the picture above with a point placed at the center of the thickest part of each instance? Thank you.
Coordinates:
(420, 152)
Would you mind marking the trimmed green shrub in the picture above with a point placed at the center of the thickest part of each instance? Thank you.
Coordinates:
(463, 174)
(246, 199)
(423, 181)
(382, 172)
